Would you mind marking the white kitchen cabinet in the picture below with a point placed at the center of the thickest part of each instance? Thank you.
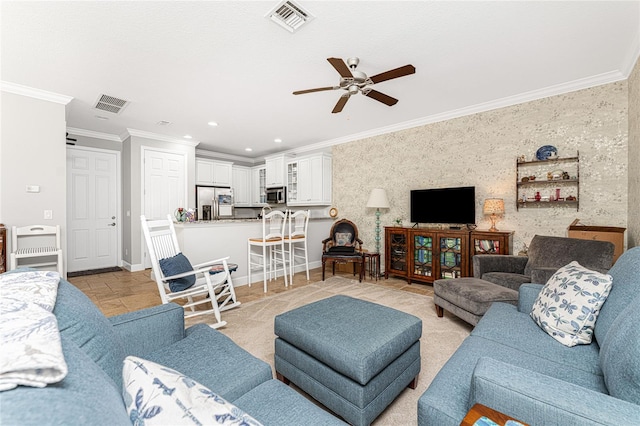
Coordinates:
(258, 186)
(241, 186)
(276, 172)
(212, 172)
(204, 172)
(309, 181)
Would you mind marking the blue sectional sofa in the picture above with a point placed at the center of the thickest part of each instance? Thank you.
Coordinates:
(94, 348)
(509, 364)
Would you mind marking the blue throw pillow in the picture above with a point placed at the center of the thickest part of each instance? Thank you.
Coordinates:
(175, 265)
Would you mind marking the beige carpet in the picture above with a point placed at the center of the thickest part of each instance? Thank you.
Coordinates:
(251, 326)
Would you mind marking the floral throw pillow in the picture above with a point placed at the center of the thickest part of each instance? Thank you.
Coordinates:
(157, 395)
(569, 303)
(343, 239)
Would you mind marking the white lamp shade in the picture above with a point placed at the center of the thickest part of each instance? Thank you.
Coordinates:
(378, 199)
(493, 206)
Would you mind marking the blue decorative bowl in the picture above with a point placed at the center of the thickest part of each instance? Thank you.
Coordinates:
(546, 151)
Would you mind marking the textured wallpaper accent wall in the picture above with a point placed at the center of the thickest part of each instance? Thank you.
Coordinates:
(633, 228)
(481, 150)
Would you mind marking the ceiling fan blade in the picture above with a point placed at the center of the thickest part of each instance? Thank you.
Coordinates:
(341, 67)
(381, 97)
(341, 103)
(395, 73)
(319, 89)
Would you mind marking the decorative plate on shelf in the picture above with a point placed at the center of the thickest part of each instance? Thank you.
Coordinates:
(546, 151)
(555, 175)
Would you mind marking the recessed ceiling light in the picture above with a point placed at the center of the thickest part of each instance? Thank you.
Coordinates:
(101, 117)
(212, 123)
(163, 123)
(248, 149)
(187, 136)
(277, 140)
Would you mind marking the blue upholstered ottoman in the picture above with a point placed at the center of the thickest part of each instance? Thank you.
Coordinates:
(353, 356)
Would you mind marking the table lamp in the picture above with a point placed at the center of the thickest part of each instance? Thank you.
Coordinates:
(493, 207)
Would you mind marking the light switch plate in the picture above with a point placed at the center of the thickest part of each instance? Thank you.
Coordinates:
(48, 214)
(33, 188)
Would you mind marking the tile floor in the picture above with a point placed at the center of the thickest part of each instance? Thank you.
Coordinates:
(121, 292)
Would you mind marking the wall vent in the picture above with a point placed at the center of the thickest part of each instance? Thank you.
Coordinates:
(289, 15)
(110, 104)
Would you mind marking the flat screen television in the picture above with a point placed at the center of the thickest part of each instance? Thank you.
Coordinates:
(444, 205)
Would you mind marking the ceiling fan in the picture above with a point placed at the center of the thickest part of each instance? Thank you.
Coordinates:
(353, 81)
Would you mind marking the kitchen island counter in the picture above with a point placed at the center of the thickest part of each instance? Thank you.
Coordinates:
(199, 223)
(208, 240)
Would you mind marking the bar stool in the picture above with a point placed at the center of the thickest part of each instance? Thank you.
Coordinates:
(296, 240)
(273, 228)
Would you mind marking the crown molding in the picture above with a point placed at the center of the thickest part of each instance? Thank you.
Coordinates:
(559, 89)
(220, 155)
(157, 137)
(19, 89)
(92, 134)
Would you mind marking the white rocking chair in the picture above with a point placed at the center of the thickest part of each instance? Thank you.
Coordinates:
(214, 288)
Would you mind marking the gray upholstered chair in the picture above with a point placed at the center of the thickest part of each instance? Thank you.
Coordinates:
(545, 256)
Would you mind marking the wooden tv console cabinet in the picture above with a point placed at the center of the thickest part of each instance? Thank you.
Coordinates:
(428, 254)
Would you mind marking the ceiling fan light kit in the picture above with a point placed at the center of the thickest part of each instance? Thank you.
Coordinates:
(353, 81)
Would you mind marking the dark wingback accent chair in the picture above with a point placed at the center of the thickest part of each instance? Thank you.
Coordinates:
(343, 246)
(545, 256)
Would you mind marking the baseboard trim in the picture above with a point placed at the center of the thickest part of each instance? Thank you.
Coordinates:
(132, 268)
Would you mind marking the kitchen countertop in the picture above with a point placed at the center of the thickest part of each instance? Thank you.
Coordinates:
(205, 241)
(239, 221)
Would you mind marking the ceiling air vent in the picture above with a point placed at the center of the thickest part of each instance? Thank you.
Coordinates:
(289, 15)
(110, 104)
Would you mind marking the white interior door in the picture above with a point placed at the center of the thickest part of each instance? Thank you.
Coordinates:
(164, 186)
(92, 209)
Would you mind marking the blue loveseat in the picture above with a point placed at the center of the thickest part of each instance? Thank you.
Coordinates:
(94, 348)
(509, 364)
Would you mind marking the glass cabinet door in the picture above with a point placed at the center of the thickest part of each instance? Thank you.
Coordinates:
(423, 255)
(292, 182)
(262, 185)
(398, 254)
(451, 257)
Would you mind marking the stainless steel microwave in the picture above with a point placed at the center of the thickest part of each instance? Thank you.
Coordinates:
(277, 195)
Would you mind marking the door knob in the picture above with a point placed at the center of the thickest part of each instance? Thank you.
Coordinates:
(111, 224)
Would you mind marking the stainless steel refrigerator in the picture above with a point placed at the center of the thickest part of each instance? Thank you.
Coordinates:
(214, 203)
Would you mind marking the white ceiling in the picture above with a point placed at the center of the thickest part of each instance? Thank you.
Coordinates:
(193, 62)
